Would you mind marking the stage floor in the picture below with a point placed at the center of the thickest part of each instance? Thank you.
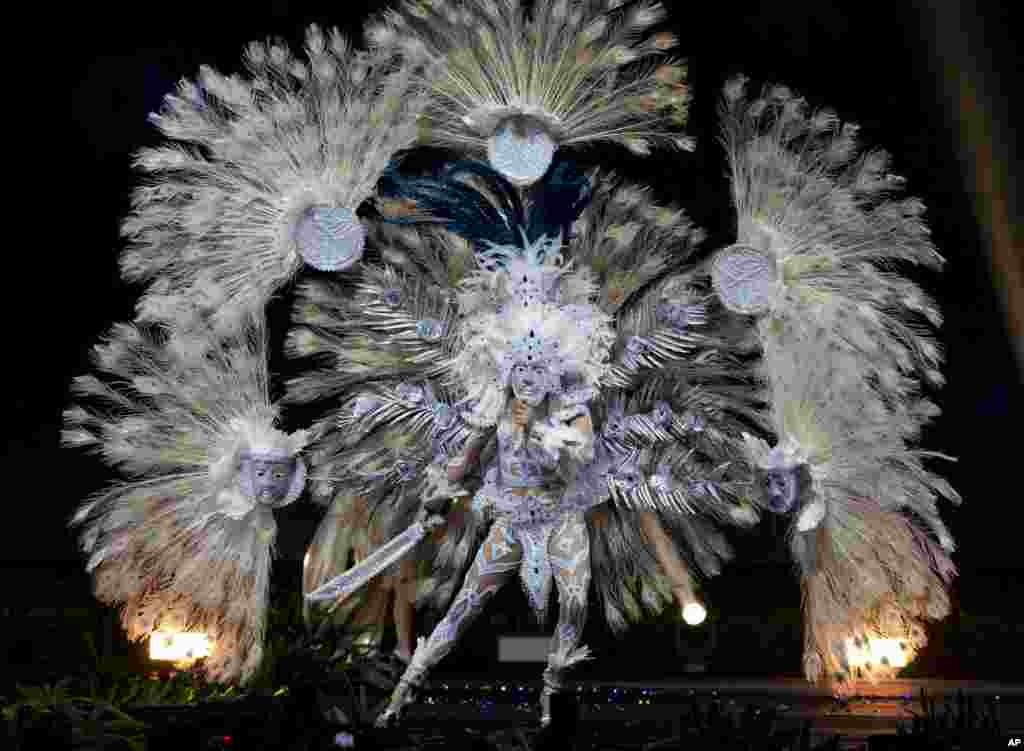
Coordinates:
(870, 709)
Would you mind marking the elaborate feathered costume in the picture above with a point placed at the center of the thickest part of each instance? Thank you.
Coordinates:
(549, 343)
(186, 540)
(844, 355)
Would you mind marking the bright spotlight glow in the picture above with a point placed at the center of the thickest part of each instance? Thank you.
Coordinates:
(178, 647)
(891, 653)
(694, 613)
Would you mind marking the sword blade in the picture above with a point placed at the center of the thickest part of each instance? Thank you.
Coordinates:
(360, 575)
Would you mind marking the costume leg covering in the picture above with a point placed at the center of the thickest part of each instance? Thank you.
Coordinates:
(570, 562)
(496, 561)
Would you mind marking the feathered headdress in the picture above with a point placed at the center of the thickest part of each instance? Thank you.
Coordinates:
(526, 306)
(516, 86)
(185, 540)
(269, 172)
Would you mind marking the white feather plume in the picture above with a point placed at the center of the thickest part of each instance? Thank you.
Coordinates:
(868, 539)
(830, 218)
(561, 65)
(174, 542)
(215, 229)
(844, 356)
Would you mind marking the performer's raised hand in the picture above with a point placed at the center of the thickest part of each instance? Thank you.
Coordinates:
(520, 413)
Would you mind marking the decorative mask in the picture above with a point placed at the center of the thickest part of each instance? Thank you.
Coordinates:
(271, 478)
(782, 488)
(530, 382)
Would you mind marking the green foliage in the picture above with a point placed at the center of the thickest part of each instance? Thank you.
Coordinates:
(96, 702)
(339, 666)
(725, 726)
(91, 719)
(966, 716)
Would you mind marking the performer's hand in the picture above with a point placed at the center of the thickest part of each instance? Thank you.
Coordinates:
(520, 413)
(431, 519)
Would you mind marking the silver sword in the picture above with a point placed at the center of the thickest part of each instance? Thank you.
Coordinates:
(380, 559)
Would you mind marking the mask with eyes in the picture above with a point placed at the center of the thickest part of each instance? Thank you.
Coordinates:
(530, 383)
(782, 489)
(270, 478)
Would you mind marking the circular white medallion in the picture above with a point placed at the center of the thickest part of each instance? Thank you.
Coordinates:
(521, 150)
(745, 279)
(330, 238)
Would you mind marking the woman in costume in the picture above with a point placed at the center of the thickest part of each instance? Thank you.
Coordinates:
(665, 372)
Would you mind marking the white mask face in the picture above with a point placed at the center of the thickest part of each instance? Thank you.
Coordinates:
(529, 383)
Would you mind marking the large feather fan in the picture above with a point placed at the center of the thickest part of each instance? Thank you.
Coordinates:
(515, 85)
(866, 536)
(827, 218)
(175, 543)
(670, 419)
(845, 353)
(265, 173)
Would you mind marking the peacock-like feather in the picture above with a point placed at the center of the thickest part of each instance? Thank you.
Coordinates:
(174, 542)
(264, 173)
(517, 84)
(846, 354)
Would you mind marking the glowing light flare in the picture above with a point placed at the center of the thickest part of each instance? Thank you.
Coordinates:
(889, 653)
(179, 647)
(694, 613)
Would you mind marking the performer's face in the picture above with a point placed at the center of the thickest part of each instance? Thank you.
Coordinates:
(529, 383)
(781, 488)
(264, 479)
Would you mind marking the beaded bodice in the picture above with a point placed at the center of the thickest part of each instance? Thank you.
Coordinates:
(522, 461)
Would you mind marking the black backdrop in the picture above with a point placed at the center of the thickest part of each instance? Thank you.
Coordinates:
(871, 62)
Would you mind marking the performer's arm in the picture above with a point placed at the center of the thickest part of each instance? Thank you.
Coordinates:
(668, 557)
(585, 451)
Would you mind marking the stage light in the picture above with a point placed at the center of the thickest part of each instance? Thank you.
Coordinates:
(694, 613)
(181, 648)
(874, 652)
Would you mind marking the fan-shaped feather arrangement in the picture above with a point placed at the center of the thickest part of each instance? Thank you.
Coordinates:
(264, 173)
(845, 356)
(827, 221)
(516, 85)
(185, 538)
(866, 536)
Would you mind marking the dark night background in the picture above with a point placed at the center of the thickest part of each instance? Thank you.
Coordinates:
(897, 70)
